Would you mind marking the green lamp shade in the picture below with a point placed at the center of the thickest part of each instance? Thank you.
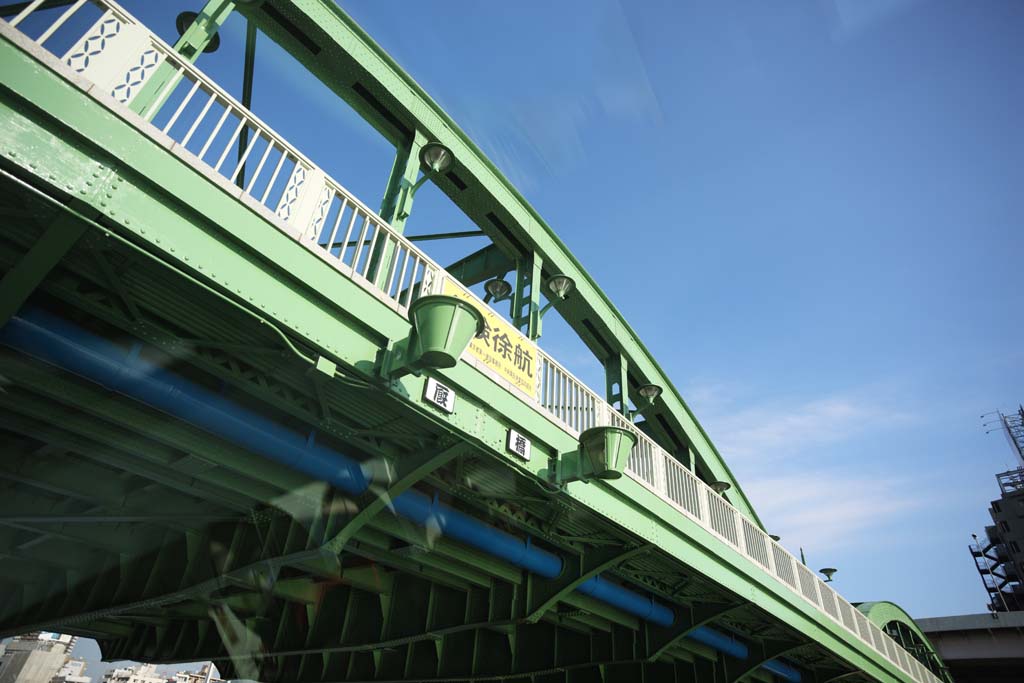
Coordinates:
(444, 326)
(605, 451)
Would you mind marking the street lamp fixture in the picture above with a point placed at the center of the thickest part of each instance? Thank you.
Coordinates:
(185, 20)
(561, 285)
(827, 572)
(775, 537)
(497, 290)
(648, 392)
(720, 487)
(436, 157)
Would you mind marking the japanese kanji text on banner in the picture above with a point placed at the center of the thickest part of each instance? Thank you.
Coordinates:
(502, 347)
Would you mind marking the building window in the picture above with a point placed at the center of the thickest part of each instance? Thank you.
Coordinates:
(1014, 548)
(1004, 525)
(995, 506)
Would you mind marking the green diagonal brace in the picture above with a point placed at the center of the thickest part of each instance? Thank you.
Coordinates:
(760, 654)
(27, 274)
(662, 638)
(190, 45)
(543, 594)
(481, 265)
(409, 470)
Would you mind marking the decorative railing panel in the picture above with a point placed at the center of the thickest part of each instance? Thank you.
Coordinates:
(125, 60)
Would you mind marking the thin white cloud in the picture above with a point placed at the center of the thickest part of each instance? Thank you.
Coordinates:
(782, 451)
(776, 430)
(832, 510)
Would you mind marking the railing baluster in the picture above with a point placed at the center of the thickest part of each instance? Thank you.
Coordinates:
(394, 267)
(245, 155)
(202, 115)
(337, 222)
(401, 278)
(231, 142)
(60, 21)
(412, 281)
(273, 177)
(369, 253)
(216, 130)
(29, 9)
(157, 104)
(181, 107)
(357, 249)
(259, 167)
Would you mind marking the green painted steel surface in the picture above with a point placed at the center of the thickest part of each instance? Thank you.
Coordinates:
(172, 257)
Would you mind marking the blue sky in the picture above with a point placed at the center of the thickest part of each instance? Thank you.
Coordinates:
(809, 210)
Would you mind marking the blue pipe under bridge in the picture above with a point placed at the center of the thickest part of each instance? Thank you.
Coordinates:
(46, 337)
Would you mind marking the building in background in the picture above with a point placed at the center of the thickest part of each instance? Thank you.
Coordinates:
(73, 671)
(989, 648)
(35, 657)
(208, 674)
(999, 556)
(142, 673)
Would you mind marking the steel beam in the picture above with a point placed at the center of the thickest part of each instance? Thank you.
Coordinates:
(660, 639)
(544, 594)
(23, 279)
(761, 652)
(408, 470)
(247, 75)
(481, 265)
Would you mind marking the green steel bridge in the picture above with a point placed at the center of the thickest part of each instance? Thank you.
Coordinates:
(246, 420)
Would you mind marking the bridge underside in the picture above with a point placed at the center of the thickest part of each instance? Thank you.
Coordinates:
(168, 544)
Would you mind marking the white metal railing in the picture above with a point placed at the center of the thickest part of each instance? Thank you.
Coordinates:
(120, 55)
(566, 398)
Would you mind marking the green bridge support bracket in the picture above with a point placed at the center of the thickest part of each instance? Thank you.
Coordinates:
(526, 311)
(481, 265)
(21, 280)
(660, 639)
(616, 381)
(543, 594)
(396, 206)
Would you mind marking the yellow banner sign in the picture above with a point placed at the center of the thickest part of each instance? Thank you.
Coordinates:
(502, 347)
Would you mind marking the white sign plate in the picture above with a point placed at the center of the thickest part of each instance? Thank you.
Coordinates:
(518, 444)
(440, 395)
